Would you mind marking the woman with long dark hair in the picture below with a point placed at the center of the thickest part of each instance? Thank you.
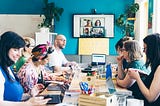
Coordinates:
(11, 90)
(149, 89)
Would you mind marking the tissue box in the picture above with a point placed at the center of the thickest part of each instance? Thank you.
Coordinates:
(97, 100)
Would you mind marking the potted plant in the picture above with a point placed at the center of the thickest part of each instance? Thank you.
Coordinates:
(129, 30)
(51, 13)
(124, 23)
(132, 10)
(126, 26)
(120, 21)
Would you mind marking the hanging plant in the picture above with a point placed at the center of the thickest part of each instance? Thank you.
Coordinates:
(126, 25)
(129, 29)
(120, 21)
(132, 10)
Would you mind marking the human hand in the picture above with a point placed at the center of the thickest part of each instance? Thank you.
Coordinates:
(37, 101)
(120, 59)
(125, 71)
(133, 73)
(71, 64)
(49, 77)
(37, 89)
(40, 86)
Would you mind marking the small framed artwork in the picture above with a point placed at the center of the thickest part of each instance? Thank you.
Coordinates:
(93, 26)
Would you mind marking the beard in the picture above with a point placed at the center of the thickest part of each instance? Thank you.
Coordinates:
(62, 47)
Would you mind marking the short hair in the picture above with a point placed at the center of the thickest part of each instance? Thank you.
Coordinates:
(59, 35)
(9, 40)
(134, 50)
(120, 42)
(29, 41)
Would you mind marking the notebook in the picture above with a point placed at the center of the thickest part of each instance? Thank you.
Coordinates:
(112, 90)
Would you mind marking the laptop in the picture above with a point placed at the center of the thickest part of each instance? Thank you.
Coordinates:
(54, 87)
(112, 90)
(55, 99)
(98, 59)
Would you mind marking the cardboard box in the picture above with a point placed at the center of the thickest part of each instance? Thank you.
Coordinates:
(97, 100)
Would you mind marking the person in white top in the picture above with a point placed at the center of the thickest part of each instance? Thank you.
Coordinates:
(57, 60)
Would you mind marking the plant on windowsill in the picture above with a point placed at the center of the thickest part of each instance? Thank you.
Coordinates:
(126, 21)
(51, 13)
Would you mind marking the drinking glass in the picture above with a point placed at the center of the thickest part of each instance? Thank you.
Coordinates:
(121, 100)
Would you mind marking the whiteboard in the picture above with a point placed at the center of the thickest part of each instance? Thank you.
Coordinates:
(24, 25)
(89, 46)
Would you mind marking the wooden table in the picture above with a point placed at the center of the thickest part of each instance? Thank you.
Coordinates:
(100, 86)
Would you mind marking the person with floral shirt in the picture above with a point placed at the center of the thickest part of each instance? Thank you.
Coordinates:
(33, 71)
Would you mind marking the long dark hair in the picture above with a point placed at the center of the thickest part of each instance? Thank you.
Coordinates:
(9, 40)
(153, 50)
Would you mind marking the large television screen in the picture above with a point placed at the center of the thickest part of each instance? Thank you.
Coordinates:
(93, 26)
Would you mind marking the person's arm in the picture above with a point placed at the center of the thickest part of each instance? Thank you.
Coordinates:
(59, 69)
(152, 93)
(25, 76)
(121, 73)
(2, 80)
(9, 103)
(30, 102)
(126, 82)
(38, 101)
(71, 64)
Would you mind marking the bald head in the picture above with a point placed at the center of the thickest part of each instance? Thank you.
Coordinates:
(60, 36)
(60, 41)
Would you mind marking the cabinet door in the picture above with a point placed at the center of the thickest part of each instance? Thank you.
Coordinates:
(43, 38)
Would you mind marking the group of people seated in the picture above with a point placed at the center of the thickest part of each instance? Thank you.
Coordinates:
(142, 78)
(23, 68)
(24, 73)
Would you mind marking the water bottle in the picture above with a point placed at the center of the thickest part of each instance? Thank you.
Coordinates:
(40, 78)
(108, 71)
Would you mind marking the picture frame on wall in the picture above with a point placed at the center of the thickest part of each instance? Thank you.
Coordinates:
(93, 26)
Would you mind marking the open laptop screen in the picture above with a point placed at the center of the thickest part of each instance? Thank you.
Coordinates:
(98, 59)
(112, 89)
(110, 85)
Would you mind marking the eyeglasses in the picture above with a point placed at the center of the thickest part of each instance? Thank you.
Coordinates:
(61, 39)
(145, 48)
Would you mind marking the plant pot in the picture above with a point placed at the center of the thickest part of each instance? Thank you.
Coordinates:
(44, 30)
(131, 15)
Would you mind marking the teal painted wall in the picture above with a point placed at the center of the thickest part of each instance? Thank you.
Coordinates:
(64, 26)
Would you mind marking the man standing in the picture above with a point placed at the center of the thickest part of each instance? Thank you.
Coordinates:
(57, 60)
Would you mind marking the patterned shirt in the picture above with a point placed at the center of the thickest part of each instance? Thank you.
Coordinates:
(28, 76)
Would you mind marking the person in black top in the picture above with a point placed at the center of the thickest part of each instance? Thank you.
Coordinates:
(149, 89)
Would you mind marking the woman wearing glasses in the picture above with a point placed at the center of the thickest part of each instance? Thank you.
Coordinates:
(26, 53)
(149, 89)
(131, 52)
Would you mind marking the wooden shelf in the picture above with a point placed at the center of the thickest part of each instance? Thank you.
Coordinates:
(131, 18)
